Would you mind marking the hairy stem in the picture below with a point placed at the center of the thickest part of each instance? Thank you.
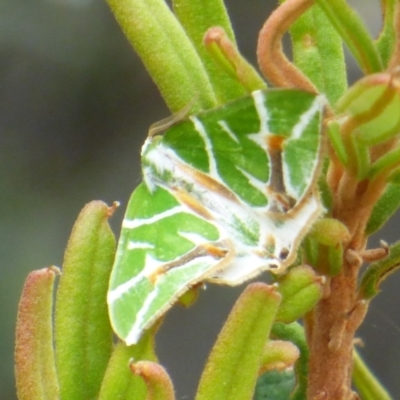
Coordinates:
(271, 59)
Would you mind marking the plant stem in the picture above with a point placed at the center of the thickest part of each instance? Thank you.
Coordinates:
(334, 322)
(332, 325)
(273, 62)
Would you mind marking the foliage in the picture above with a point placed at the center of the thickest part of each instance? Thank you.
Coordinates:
(191, 54)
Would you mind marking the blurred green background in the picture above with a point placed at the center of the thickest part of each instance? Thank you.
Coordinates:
(75, 106)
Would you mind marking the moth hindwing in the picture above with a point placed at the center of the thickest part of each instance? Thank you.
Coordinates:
(227, 194)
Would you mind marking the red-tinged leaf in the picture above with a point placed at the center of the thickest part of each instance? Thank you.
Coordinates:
(157, 380)
(119, 383)
(82, 328)
(35, 370)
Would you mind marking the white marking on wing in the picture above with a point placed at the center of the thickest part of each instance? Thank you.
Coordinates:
(228, 130)
(260, 137)
(256, 183)
(259, 102)
(287, 235)
(137, 328)
(134, 223)
(159, 158)
(305, 118)
(151, 265)
(146, 143)
(193, 237)
(307, 167)
(208, 146)
(147, 179)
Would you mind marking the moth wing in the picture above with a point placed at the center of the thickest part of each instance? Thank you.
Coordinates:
(163, 250)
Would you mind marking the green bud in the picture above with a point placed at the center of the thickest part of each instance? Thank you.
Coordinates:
(301, 288)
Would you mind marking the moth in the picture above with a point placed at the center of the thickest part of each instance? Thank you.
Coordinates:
(226, 195)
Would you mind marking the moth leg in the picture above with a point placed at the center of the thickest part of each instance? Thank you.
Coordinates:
(165, 123)
(356, 258)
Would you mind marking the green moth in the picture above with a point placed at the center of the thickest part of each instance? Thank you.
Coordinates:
(227, 194)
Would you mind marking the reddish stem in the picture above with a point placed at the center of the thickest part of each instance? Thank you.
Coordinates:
(271, 59)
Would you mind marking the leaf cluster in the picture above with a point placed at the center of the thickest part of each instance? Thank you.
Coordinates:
(192, 56)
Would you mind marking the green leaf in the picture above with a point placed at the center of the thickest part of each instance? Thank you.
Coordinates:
(367, 385)
(318, 52)
(119, 383)
(370, 118)
(35, 371)
(167, 53)
(82, 329)
(334, 134)
(225, 53)
(229, 187)
(354, 33)
(232, 367)
(324, 189)
(377, 272)
(387, 37)
(386, 206)
(301, 288)
(197, 17)
(387, 162)
(275, 385)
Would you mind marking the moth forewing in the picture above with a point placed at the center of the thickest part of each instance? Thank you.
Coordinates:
(163, 250)
(228, 194)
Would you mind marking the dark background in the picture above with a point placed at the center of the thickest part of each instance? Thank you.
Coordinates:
(75, 106)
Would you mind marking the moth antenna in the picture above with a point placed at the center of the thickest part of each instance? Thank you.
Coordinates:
(162, 125)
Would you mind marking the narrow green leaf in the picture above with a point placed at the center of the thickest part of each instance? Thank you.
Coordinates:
(119, 383)
(301, 288)
(158, 382)
(333, 131)
(377, 272)
(324, 189)
(386, 206)
(225, 53)
(362, 156)
(167, 53)
(354, 33)
(388, 162)
(318, 52)
(232, 367)
(387, 36)
(367, 385)
(294, 332)
(371, 107)
(361, 99)
(83, 331)
(197, 17)
(35, 371)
